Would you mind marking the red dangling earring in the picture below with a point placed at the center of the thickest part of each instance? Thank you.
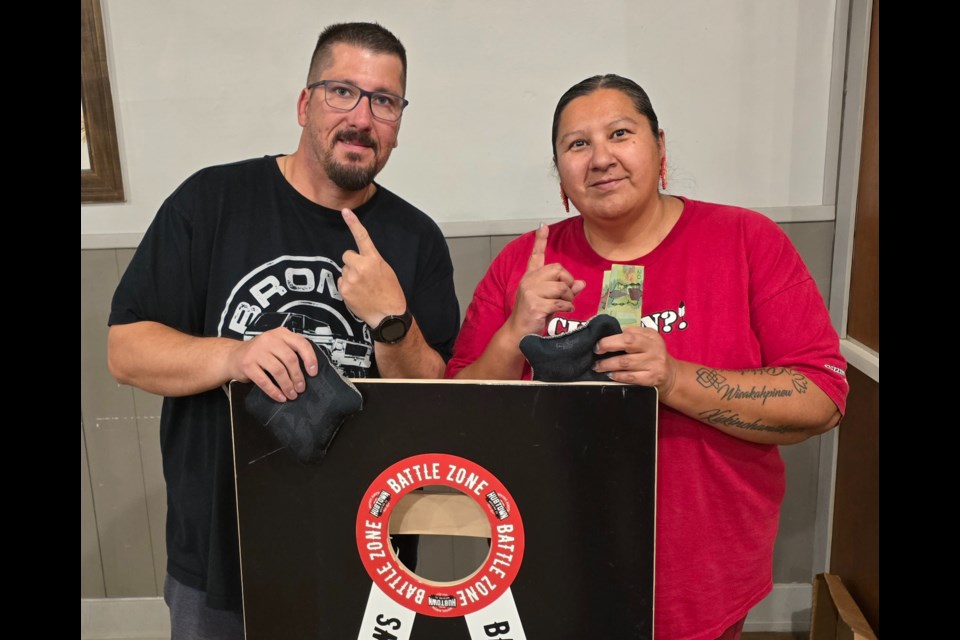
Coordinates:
(663, 173)
(564, 200)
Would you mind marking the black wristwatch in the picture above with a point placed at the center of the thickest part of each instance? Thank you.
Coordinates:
(392, 329)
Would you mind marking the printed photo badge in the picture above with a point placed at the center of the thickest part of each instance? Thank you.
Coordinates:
(482, 598)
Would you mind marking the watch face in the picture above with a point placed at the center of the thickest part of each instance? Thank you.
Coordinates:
(393, 330)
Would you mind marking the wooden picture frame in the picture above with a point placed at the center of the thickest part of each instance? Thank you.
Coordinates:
(101, 181)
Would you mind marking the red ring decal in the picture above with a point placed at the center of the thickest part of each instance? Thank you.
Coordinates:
(447, 599)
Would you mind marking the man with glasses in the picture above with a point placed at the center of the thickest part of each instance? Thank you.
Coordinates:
(245, 265)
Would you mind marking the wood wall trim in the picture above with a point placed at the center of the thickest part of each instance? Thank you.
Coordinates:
(863, 319)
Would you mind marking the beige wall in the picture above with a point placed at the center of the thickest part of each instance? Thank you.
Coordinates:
(122, 499)
(742, 89)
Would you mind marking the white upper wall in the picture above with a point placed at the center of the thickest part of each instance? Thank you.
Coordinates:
(741, 88)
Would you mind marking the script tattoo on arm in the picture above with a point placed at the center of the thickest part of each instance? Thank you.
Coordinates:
(714, 379)
(728, 418)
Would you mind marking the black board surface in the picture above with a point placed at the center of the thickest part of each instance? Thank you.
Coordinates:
(578, 460)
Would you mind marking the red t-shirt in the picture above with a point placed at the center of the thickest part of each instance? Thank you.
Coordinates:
(726, 289)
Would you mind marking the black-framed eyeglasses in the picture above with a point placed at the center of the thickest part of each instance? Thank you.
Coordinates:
(344, 96)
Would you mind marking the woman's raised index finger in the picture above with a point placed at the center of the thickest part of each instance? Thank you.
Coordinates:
(539, 248)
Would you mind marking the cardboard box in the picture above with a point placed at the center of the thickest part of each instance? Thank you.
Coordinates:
(835, 614)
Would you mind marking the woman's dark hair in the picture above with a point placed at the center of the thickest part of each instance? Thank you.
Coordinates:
(641, 101)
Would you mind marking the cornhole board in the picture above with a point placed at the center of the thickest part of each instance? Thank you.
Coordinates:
(563, 477)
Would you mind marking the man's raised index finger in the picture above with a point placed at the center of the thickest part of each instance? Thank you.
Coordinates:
(539, 248)
(360, 236)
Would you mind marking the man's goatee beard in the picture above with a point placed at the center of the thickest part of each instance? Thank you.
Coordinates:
(349, 178)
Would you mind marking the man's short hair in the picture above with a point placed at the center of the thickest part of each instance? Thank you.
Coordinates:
(365, 35)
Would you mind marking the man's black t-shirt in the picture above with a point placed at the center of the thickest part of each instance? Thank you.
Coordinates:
(236, 251)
